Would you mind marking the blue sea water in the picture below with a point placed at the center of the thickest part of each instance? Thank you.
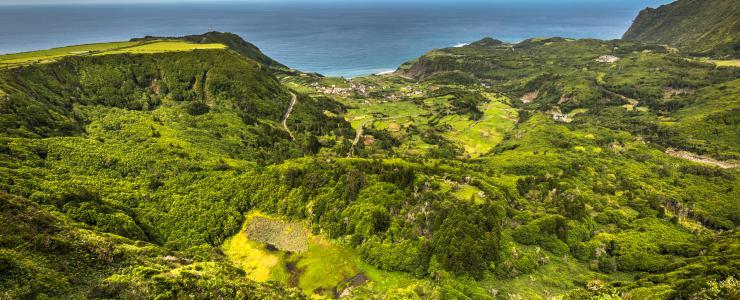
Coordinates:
(333, 38)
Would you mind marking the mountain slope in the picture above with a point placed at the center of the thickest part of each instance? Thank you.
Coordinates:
(233, 41)
(172, 174)
(696, 26)
(561, 76)
(47, 255)
(120, 172)
(586, 174)
(39, 99)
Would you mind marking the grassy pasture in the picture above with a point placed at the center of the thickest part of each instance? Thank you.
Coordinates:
(325, 267)
(463, 192)
(316, 269)
(51, 54)
(726, 63)
(476, 137)
(44, 56)
(283, 235)
(479, 137)
(253, 257)
(165, 46)
(381, 111)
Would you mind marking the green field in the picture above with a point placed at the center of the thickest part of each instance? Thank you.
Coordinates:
(726, 63)
(45, 56)
(165, 46)
(384, 113)
(479, 137)
(51, 54)
(323, 267)
(406, 119)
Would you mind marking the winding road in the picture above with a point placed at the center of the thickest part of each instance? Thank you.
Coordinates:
(293, 100)
(701, 159)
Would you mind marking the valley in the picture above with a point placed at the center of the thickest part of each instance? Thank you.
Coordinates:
(198, 167)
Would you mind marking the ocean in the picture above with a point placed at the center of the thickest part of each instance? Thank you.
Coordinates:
(344, 38)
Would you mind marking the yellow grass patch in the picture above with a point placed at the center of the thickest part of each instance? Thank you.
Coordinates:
(250, 256)
(726, 63)
(50, 55)
(55, 53)
(166, 46)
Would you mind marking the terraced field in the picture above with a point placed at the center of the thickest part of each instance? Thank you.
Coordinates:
(479, 137)
(406, 119)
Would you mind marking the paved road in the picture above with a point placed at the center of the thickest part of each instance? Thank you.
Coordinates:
(293, 100)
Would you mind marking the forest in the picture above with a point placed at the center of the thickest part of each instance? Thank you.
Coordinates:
(550, 168)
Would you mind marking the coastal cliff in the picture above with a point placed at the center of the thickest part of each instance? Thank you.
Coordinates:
(706, 27)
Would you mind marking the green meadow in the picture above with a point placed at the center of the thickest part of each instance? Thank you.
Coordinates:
(323, 270)
(156, 46)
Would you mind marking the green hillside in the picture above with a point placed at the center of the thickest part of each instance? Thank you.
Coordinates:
(233, 41)
(563, 77)
(199, 168)
(118, 128)
(703, 27)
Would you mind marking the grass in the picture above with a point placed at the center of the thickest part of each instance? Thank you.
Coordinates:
(463, 192)
(466, 192)
(383, 112)
(396, 284)
(479, 137)
(476, 137)
(51, 54)
(320, 267)
(251, 256)
(166, 46)
(326, 265)
(726, 63)
(44, 56)
(286, 236)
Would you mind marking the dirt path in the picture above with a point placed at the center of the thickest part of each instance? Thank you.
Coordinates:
(701, 159)
(293, 100)
(358, 134)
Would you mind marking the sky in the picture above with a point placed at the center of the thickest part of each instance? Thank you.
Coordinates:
(53, 2)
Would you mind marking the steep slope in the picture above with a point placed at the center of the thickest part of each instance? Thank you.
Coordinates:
(153, 146)
(233, 41)
(39, 99)
(44, 254)
(708, 27)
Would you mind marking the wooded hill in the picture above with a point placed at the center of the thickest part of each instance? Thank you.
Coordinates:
(610, 171)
